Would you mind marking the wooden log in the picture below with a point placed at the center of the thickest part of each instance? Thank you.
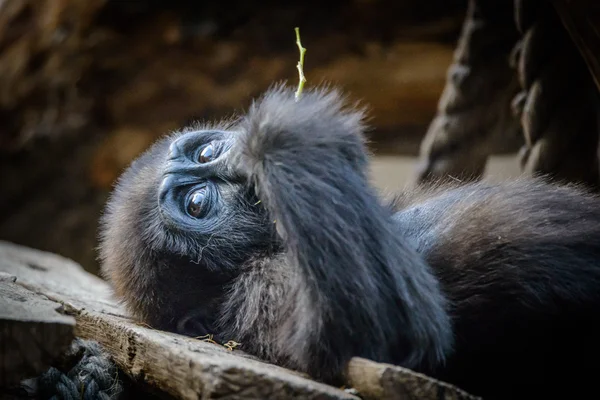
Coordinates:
(33, 333)
(384, 381)
(188, 368)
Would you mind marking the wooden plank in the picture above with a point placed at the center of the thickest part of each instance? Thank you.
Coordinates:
(33, 333)
(184, 367)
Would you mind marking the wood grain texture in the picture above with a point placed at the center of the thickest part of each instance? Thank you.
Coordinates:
(33, 333)
(385, 381)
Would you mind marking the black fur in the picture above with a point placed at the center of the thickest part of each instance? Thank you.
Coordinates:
(490, 287)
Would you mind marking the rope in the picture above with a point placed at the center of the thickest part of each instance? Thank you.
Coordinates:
(474, 117)
(550, 103)
(557, 104)
(92, 377)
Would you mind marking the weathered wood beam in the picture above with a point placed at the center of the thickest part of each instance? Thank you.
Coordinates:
(33, 333)
(385, 381)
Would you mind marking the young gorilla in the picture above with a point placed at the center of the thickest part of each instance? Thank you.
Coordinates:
(266, 231)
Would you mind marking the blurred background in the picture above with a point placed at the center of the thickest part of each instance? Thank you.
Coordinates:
(85, 86)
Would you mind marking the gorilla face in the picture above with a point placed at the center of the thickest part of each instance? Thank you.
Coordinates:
(178, 228)
(196, 183)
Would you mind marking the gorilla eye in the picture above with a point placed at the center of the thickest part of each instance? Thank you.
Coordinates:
(206, 154)
(196, 202)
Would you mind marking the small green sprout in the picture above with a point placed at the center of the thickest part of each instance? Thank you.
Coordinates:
(300, 65)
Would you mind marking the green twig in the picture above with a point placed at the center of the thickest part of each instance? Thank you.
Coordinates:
(300, 65)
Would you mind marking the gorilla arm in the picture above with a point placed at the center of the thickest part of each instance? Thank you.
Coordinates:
(358, 288)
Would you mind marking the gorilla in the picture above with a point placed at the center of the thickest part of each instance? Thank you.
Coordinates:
(265, 229)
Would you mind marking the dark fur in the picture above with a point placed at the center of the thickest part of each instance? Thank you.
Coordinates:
(491, 287)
